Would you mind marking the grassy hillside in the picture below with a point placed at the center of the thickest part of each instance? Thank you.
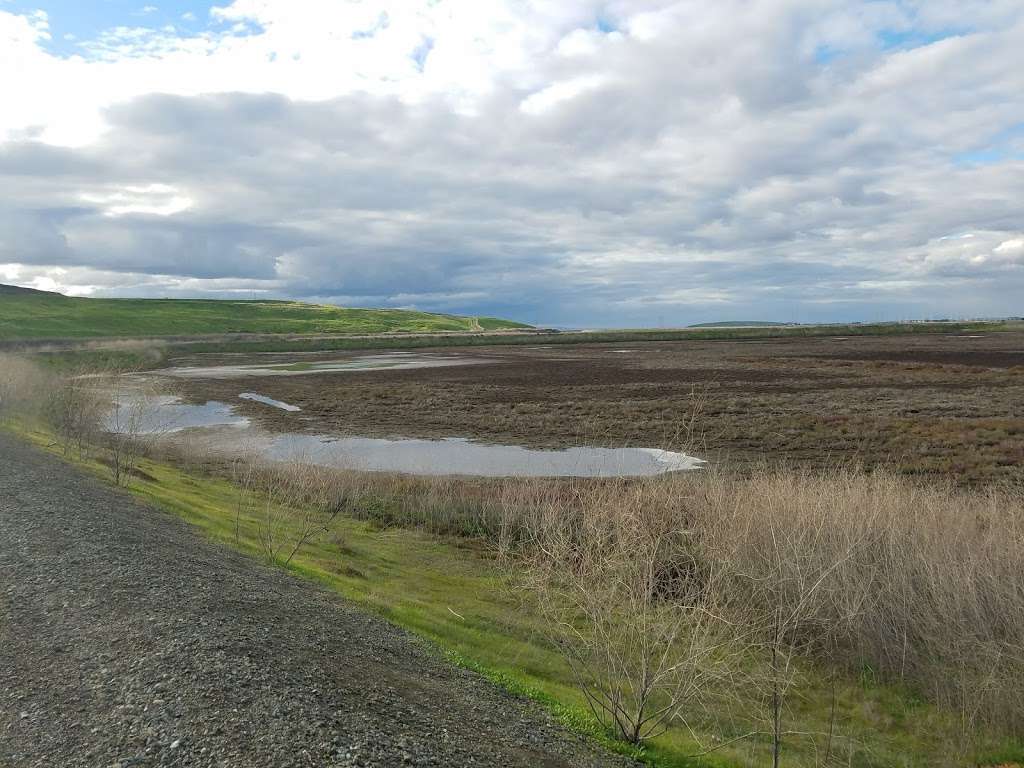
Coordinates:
(40, 315)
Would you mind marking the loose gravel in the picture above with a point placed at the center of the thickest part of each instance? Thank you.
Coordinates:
(126, 639)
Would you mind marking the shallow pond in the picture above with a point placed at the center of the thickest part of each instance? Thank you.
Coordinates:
(164, 414)
(223, 430)
(394, 361)
(458, 456)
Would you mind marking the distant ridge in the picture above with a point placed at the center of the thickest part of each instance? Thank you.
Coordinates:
(11, 290)
(27, 314)
(740, 324)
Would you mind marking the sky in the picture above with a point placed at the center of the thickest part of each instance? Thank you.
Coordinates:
(577, 163)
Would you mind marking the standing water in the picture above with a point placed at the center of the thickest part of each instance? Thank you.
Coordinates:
(224, 430)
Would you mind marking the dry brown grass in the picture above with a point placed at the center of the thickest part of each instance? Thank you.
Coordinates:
(20, 384)
(68, 402)
(870, 573)
(920, 584)
(93, 407)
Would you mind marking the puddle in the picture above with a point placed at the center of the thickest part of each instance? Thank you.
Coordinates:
(165, 413)
(392, 361)
(234, 435)
(256, 398)
(458, 456)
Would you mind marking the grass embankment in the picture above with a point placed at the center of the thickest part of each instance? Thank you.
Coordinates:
(599, 337)
(38, 315)
(450, 591)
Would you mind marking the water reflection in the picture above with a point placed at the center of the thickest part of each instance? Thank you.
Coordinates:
(395, 361)
(225, 431)
(458, 456)
(256, 398)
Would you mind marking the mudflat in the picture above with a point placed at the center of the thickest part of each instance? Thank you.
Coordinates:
(930, 404)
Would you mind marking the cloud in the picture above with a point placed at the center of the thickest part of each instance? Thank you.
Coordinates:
(593, 163)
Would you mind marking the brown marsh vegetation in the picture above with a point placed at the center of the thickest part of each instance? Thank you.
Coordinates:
(946, 406)
(676, 596)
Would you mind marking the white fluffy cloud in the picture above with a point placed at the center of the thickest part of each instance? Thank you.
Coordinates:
(582, 162)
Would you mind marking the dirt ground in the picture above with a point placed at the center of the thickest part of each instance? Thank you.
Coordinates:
(947, 404)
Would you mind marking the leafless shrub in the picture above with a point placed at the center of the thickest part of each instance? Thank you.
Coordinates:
(289, 505)
(21, 383)
(85, 406)
(783, 574)
(74, 406)
(133, 424)
(627, 599)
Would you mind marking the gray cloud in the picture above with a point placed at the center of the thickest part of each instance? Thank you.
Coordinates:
(722, 168)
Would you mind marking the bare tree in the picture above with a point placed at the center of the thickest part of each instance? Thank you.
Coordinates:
(289, 505)
(134, 422)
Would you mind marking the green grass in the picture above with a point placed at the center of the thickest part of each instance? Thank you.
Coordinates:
(450, 592)
(52, 316)
(39, 315)
(595, 337)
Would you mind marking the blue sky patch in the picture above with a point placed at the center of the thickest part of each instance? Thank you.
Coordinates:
(73, 21)
(891, 41)
(1008, 144)
(422, 51)
(908, 39)
(824, 54)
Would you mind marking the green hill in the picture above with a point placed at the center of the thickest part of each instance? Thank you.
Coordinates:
(17, 290)
(28, 314)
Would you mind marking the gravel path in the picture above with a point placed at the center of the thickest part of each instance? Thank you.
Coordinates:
(126, 639)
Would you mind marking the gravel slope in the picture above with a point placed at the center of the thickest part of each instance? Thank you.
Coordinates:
(127, 639)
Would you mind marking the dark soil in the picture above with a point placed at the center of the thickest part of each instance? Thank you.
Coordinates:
(127, 639)
(925, 404)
